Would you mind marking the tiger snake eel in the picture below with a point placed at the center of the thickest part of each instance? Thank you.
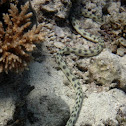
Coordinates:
(71, 77)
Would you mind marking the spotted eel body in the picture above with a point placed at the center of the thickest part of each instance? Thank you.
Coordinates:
(71, 77)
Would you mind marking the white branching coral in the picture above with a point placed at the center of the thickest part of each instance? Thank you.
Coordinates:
(15, 44)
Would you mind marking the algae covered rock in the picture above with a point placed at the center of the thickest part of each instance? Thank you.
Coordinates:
(107, 69)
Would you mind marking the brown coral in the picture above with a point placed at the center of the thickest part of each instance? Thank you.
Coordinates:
(15, 44)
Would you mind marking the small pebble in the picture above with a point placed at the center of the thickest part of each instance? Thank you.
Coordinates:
(59, 45)
(120, 51)
(59, 32)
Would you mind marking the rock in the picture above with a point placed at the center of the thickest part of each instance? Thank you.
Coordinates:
(51, 101)
(121, 51)
(59, 8)
(7, 108)
(104, 68)
(107, 69)
(98, 108)
(59, 45)
(46, 100)
(121, 115)
(123, 75)
(122, 41)
(48, 9)
(59, 32)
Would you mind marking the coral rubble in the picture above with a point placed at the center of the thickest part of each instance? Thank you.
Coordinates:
(4, 1)
(58, 8)
(16, 42)
(114, 26)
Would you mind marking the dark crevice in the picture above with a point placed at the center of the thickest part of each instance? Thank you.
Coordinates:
(123, 2)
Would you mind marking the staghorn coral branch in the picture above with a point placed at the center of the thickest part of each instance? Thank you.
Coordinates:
(1, 31)
(7, 20)
(24, 10)
(13, 11)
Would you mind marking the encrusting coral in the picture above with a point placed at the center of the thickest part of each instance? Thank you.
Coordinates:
(15, 43)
